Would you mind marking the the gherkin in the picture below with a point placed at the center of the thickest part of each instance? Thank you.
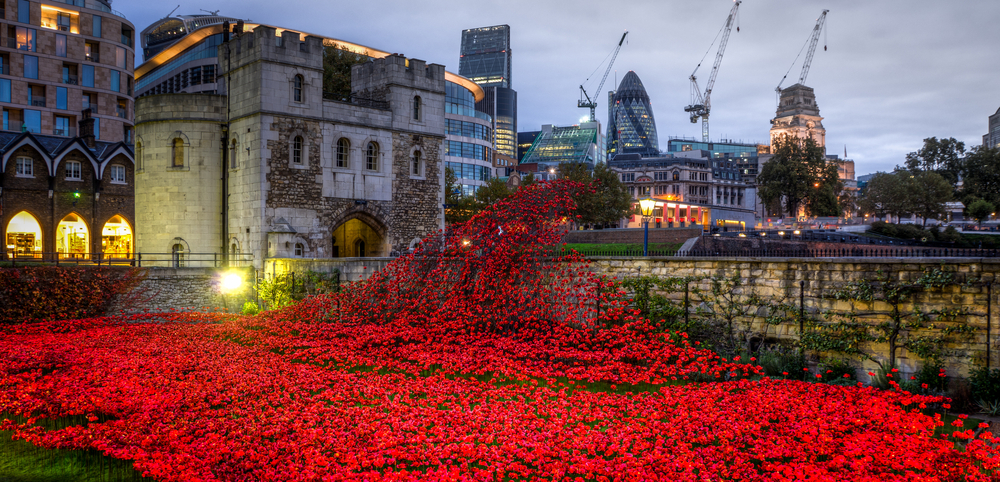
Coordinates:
(631, 127)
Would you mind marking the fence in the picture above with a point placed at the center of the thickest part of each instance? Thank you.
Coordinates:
(148, 260)
(845, 252)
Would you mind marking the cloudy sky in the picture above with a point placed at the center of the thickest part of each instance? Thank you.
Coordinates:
(894, 72)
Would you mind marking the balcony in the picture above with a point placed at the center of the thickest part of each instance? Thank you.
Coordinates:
(5, 69)
(37, 102)
(120, 112)
(127, 40)
(93, 57)
(71, 79)
(65, 131)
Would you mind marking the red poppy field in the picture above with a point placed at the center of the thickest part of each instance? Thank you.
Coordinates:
(478, 357)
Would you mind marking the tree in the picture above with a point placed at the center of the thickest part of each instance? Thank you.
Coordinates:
(981, 210)
(603, 200)
(888, 194)
(458, 208)
(981, 174)
(931, 191)
(799, 174)
(337, 63)
(494, 190)
(941, 156)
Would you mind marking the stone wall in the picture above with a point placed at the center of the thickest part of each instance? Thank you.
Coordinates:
(632, 236)
(351, 269)
(819, 277)
(189, 289)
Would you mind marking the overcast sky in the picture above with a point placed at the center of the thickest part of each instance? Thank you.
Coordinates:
(894, 72)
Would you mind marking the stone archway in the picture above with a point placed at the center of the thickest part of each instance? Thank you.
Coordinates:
(359, 235)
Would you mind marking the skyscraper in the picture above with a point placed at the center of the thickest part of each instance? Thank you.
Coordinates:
(631, 127)
(486, 60)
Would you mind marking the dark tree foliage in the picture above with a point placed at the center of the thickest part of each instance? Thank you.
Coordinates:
(981, 174)
(799, 176)
(888, 194)
(942, 156)
(602, 199)
(931, 192)
(460, 208)
(337, 63)
(981, 210)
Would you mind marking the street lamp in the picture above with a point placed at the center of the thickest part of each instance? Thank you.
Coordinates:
(646, 206)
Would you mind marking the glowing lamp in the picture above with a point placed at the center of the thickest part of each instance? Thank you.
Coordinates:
(231, 282)
(797, 232)
(781, 233)
(466, 242)
(76, 194)
(646, 206)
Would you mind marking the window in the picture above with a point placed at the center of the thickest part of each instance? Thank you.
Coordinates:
(178, 154)
(60, 45)
(33, 121)
(116, 81)
(117, 174)
(343, 150)
(23, 11)
(25, 167)
(61, 98)
(416, 108)
(120, 57)
(371, 157)
(63, 21)
(297, 89)
(73, 170)
(4, 90)
(677, 176)
(36, 95)
(88, 101)
(26, 38)
(30, 67)
(233, 150)
(88, 76)
(178, 254)
(97, 127)
(97, 27)
(138, 155)
(62, 126)
(297, 150)
(126, 36)
(416, 163)
(92, 51)
(299, 250)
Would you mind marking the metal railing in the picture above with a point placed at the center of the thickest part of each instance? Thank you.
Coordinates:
(845, 252)
(71, 79)
(5, 69)
(120, 112)
(140, 260)
(93, 57)
(68, 131)
(37, 102)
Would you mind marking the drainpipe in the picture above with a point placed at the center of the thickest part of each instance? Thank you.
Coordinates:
(225, 155)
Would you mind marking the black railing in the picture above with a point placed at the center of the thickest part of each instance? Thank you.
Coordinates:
(142, 260)
(845, 252)
(361, 101)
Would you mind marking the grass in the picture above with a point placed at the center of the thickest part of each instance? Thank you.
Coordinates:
(21, 461)
(622, 249)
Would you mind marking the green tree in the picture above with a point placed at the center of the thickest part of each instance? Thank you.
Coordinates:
(799, 174)
(494, 190)
(942, 156)
(981, 174)
(604, 199)
(458, 208)
(337, 63)
(931, 191)
(981, 210)
(888, 194)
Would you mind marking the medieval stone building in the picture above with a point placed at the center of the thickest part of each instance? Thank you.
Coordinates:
(272, 169)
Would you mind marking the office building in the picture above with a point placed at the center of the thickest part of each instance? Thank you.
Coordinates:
(992, 137)
(557, 145)
(66, 95)
(193, 72)
(631, 126)
(486, 59)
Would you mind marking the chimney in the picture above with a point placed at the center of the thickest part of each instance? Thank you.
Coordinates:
(87, 129)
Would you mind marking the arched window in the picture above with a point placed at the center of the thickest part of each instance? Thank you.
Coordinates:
(178, 255)
(72, 237)
(138, 156)
(24, 236)
(677, 176)
(299, 250)
(371, 157)
(178, 154)
(416, 163)
(297, 88)
(343, 150)
(359, 248)
(297, 150)
(416, 108)
(233, 151)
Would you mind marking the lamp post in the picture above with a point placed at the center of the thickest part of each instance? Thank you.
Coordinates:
(646, 206)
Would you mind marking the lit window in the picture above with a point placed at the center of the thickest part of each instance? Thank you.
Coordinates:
(343, 149)
(25, 167)
(118, 174)
(297, 89)
(73, 170)
(297, 150)
(371, 157)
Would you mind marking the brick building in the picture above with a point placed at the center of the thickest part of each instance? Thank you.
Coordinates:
(273, 169)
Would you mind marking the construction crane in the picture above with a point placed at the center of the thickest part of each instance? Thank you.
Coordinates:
(588, 103)
(812, 41)
(701, 104)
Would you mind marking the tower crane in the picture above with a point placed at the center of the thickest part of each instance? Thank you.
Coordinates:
(701, 104)
(812, 41)
(583, 92)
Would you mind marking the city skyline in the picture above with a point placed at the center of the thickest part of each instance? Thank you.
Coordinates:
(891, 76)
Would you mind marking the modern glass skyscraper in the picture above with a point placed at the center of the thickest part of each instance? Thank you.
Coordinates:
(631, 127)
(486, 60)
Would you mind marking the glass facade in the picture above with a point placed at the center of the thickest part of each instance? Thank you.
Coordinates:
(468, 129)
(205, 49)
(556, 145)
(466, 150)
(460, 101)
(631, 127)
(486, 57)
(501, 104)
(469, 171)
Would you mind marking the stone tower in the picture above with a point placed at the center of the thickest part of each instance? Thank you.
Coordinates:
(798, 116)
